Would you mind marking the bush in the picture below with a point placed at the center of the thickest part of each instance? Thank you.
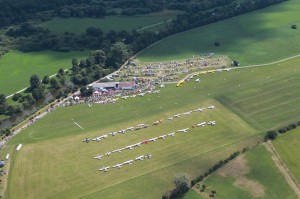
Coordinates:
(292, 126)
(235, 63)
(271, 135)
(294, 26)
(282, 130)
(217, 43)
(16, 96)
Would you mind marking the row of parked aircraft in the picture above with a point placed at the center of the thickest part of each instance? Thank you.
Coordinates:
(119, 165)
(189, 112)
(122, 131)
(212, 123)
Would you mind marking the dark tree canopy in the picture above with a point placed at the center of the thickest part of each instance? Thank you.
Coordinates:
(35, 82)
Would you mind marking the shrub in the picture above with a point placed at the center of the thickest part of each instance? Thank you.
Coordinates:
(217, 43)
(294, 26)
(16, 96)
(271, 135)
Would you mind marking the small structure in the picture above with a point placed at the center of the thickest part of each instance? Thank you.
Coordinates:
(19, 147)
(2, 163)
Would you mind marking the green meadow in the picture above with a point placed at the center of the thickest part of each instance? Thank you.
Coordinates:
(53, 154)
(287, 146)
(116, 23)
(258, 37)
(252, 175)
(17, 67)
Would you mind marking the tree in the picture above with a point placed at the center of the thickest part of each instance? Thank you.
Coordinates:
(11, 110)
(217, 43)
(99, 57)
(117, 55)
(235, 63)
(86, 91)
(54, 83)
(74, 61)
(213, 193)
(203, 187)
(294, 26)
(182, 182)
(16, 96)
(35, 81)
(2, 99)
(3, 104)
(95, 32)
(46, 80)
(271, 135)
(61, 71)
(75, 69)
(38, 93)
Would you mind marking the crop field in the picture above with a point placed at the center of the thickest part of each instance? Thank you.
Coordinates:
(287, 146)
(255, 38)
(53, 154)
(251, 175)
(17, 67)
(116, 23)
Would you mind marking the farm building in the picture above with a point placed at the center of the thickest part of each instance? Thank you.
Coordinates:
(105, 85)
(113, 86)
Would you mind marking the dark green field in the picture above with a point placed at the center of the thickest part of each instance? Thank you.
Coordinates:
(117, 23)
(17, 67)
(258, 37)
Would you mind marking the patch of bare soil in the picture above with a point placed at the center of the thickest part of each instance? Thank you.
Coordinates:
(251, 186)
(238, 168)
(235, 168)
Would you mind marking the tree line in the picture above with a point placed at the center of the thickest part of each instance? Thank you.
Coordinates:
(272, 134)
(183, 184)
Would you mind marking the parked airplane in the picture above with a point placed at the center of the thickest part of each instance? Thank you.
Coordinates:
(105, 169)
(201, 124)
(171, 134)
(140, 157)
(98, 157)
(117, 166)
(170, 118)
(86, 140)
(183, 130)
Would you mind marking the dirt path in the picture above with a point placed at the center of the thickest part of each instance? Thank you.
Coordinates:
(283, 169)
(155, 24)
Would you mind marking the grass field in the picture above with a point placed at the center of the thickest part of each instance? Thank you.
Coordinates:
(253, 175)
(54, 156)
(17, 67)
(117, 23)
(287, 146)
(192, 194)
(254, 38)
(70, 165)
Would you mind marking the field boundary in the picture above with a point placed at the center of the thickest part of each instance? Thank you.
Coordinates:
(155, 25)
(290, 179)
